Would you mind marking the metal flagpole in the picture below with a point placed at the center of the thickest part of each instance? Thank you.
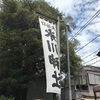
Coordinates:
(68, 62)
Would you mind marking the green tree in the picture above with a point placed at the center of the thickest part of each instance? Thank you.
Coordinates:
(6, 98)
(75, 60)
(21, 57)
(21, 52)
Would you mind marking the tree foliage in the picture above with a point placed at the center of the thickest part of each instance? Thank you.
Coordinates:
(6, 98)
(21, 52)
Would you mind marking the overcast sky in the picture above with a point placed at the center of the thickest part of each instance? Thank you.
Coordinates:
(82, 11)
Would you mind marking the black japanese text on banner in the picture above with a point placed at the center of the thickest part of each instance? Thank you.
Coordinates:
(50, 47)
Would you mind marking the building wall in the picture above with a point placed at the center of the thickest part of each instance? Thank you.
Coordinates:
(92, 77)
(37, 91)
(91, 82)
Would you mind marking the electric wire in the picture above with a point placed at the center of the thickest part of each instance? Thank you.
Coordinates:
(94, 62)
(82, 28)
(91, 13)
(87, 43)
(91, 53)
(90, 60)
(88, 22)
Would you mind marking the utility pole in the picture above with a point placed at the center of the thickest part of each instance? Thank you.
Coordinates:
(68, 64)
(58, 38)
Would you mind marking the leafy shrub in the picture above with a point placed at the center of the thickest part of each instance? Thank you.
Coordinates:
(6, 98)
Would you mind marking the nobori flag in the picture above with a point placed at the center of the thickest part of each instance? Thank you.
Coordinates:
(50, 47)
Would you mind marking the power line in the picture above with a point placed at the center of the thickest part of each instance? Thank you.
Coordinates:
(95, 62)
(82, 28)
(88, 22)
(89, 60)
(91, 54)
(90, 13)
(87, 43)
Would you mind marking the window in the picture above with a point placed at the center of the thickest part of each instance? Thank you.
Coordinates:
(84, 80)
(82, 87)
(97, 79)
(91, 78)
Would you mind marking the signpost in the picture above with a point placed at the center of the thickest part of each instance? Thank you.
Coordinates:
(51, 47)
(95, 90)
(51, 44)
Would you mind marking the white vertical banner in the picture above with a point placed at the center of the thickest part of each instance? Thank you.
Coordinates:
(50, 47)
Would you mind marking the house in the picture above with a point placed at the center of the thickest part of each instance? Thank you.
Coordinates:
(82, 86)
(88, 78)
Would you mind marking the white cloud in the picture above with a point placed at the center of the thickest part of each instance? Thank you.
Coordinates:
(63, 5)
(82, 11)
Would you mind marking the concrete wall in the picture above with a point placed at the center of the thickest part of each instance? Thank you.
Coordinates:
(65, 93)
(37, 90)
